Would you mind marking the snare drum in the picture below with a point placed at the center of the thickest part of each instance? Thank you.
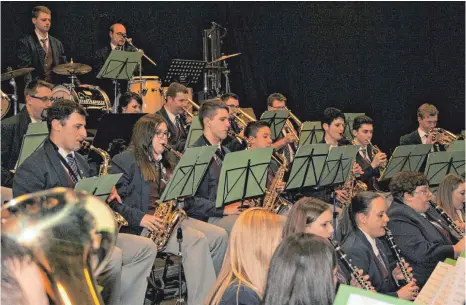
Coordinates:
(92, 98)
(149, 88)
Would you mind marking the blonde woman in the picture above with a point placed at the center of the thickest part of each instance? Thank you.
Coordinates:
(253, 239)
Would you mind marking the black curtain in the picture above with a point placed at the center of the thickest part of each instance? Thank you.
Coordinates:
(381, 58)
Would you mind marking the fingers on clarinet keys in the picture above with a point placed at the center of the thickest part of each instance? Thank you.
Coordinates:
(152, 223)
(408, 292)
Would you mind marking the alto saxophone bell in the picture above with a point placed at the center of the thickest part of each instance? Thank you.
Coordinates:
(70, 235)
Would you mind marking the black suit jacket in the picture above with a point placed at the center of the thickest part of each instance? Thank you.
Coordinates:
(43, 170)
(411, 138)
(370, 173)
(13, 130)
(420, 243)
(177, 142)
(202, 205)
(133, 191)
(358, 248)
(31, 55)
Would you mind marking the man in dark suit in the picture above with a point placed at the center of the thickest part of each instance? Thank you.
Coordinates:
(57, 164)
(427, 117)
(362, 131)
(39, 50)
(423, 243)
(38, 95)
(232, 142)
(214, 119)
(117, 34)
(173, 113)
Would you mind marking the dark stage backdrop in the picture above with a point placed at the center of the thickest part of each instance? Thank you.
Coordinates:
(381, 58)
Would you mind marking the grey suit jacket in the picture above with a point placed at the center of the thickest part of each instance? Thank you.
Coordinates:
(43, 170)
(202, 205)
(358, 248)
(420, 243)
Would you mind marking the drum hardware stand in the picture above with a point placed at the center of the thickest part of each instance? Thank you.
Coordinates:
(14, 96)
(227, 80)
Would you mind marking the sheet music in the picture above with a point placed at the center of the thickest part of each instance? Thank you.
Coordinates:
(435, 283)
(457, 284)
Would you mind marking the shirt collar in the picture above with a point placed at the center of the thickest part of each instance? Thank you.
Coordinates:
(33, 120)
(372, 242)
(171, 116)
(421, 133)
(113, 47)
(63, 153)
(40, 37)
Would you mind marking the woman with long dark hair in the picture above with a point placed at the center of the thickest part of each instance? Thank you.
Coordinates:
(302, 272)
(146, 167)
(360, 226)
(450, 197)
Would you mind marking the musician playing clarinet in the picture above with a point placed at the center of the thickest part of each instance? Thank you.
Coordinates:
(422, 241)
(369, 161)
(361, 225)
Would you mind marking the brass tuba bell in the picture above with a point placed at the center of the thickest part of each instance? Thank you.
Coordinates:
(70, 235)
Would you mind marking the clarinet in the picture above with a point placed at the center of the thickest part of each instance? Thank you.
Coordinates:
(451, 224)
(352, 268)
(400, 261)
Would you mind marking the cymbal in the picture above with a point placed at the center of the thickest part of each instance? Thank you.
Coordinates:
(16, 73)
(72, 69)
(225, 57)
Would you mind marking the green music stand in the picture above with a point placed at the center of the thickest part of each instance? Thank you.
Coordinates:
(276, 120)
(100, 186)
(349, 119)
(338, 165)
(34, 138)
(457, 145)
(243, 175)
(120, 65)
(188, 173)
(311, 133)
(440, 164)
(307, 166)
(406, 158)
(195, 132)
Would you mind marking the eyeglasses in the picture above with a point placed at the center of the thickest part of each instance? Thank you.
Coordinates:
(161, 133)
(424, 192)
(43, 98)
(233, 106)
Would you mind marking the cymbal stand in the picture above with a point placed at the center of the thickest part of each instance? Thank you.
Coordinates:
(14, 97)
(227, 79)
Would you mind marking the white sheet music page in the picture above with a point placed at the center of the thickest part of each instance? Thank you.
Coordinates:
(457, 282)
(437, 280)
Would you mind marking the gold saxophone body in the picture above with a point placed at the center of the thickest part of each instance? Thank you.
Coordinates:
(352, 186)
(170, 214)
(103, 171)
(272, 201)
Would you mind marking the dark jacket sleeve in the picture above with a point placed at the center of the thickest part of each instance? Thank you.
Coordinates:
(7, 137)
(124, 188)
(24, 56)
(29, 178)
(414, 246)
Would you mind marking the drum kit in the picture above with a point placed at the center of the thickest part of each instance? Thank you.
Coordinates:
(92, 98)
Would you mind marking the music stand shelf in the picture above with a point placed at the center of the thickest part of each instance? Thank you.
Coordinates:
(184, 71)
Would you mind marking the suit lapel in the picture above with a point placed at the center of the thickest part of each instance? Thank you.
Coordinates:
(62, 175)
(54, 47)
(39, 49)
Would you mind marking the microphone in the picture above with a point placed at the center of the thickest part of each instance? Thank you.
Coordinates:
(216, 24)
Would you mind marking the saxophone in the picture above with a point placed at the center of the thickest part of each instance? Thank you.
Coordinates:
(451, 224)
(171, 216)
(272, 202)
(103, 171)
(353, 186)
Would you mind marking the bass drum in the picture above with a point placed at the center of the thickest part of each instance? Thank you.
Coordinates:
(92, 98)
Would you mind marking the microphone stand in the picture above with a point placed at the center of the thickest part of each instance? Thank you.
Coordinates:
(130, 42)
(179, 238)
